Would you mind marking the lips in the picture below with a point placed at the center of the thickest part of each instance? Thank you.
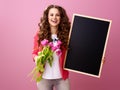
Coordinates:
(54, 21)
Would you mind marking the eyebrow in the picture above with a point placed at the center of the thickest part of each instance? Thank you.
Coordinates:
(55, 13)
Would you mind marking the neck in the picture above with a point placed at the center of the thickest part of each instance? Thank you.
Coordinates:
(54, 30)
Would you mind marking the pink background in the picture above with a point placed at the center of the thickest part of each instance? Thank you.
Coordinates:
(18, 24)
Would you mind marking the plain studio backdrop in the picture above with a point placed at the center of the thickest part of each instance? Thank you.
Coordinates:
(18, 24)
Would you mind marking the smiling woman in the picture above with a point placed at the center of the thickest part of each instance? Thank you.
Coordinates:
(54, 18)
(54, 26)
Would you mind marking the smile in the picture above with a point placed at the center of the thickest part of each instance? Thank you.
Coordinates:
(54, 21)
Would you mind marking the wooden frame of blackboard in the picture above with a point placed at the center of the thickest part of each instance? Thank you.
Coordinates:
(68, 64)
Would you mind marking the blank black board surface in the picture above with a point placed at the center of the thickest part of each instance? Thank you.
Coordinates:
(87, 43)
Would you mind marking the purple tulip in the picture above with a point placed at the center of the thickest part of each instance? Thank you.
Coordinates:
(44, 42)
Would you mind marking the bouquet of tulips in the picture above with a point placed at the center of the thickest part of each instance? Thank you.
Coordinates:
(46, 55)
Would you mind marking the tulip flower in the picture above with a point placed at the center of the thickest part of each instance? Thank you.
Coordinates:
(51, 44)
(45, 55)
(59, 42)
(58, 52)
(44, 42)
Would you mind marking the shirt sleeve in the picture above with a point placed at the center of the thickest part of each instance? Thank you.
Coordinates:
(36, 47)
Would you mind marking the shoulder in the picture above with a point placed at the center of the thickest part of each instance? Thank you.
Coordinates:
(36, 36)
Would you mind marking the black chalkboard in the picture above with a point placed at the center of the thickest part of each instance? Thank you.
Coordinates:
(87, 44)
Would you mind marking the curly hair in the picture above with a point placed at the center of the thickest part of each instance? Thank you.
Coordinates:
(63, 27)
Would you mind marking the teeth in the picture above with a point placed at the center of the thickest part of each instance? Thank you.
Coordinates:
(54, 21)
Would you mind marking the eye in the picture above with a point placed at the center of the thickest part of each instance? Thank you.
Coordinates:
(57, 14)
(51, 14)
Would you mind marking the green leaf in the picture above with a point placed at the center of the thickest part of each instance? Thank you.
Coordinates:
(39, 79)
(45, 55)
(50, 60)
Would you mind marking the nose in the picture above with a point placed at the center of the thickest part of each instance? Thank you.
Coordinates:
(54, 16)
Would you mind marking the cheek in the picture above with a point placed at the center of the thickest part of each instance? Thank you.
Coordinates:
(59, 19)
(48, 19)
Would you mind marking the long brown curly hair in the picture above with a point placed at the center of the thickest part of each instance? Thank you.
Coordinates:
(63, 27)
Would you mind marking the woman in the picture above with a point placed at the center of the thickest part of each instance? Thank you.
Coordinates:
(53, 26)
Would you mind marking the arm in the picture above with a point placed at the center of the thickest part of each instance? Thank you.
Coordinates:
(36, 47)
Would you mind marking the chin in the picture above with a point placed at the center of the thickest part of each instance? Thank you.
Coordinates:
(54, 25)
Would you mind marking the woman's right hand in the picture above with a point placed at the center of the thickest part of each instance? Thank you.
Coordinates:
(36, 58)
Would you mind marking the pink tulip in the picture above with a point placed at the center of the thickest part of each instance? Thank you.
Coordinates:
(59, 42)
(58, 52)
(44, 42)
(53, 48)
(58, 46)
(50, 44)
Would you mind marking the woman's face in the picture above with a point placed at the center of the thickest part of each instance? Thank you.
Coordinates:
(54, 17)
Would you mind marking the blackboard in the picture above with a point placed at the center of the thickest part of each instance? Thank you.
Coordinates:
(87, 43)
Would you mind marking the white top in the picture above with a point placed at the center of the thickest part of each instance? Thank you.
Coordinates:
(54, 71)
